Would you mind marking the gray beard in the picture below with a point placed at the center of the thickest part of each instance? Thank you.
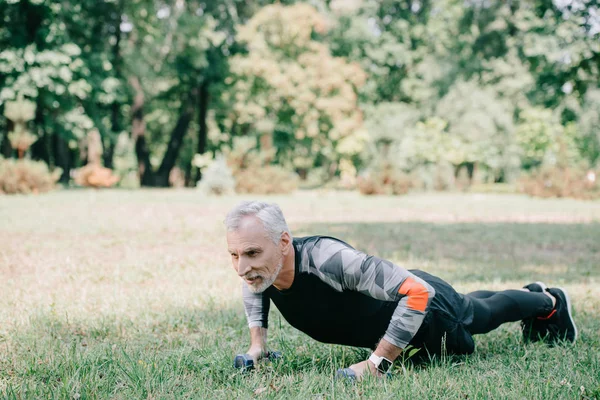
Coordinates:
(266, 281)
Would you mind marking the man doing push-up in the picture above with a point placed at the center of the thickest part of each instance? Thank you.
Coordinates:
(336, 294)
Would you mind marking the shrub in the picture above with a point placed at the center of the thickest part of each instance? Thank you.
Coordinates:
(125, 162)
(431, 176)
(217, 178)
(96, 176)
(253, 171)
(268, 179)
(385, 179)
(561, 182)
(26, 176)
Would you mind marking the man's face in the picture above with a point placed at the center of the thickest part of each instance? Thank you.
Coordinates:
(255, 257)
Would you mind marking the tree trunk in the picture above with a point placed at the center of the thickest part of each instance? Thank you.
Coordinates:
(168, 162)
(116, 106)
(6, 150)
(138, 132)
(147, 176)
(41, 148)
(63, 158)
(203, 101)
(5, 147)
(33, 22)
(108, 155)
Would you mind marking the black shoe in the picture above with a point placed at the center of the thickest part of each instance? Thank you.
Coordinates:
(536, 287)
(561, 325)
(534, 329)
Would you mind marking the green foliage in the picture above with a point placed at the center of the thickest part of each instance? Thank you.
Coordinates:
(587, 126)
(389, 122)
(56, 55)
(402, 143)
(26, 176)
(125, 163)
(537, 134)
(289, 86)
(544, 140)
(303, 75)
(425, 143)
(479, 122)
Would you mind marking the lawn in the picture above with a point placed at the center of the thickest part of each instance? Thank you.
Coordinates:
(130, 294)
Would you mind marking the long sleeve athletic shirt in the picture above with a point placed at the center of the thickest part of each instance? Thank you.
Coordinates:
(343, 296)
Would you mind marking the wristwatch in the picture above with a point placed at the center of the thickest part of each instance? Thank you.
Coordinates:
(382, 364)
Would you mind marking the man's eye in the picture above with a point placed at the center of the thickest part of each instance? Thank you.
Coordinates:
(251, 253)
(234, 255)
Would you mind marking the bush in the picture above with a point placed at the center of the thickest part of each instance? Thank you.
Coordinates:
(92, 175)
(561, 182)
(26, 176)
(253, 171)
(439, 176)
(268, 179)
(125, 162)
(217, 179)
(385, 180)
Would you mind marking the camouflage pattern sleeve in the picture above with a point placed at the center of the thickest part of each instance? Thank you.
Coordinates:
(345, 268)
(256, 306)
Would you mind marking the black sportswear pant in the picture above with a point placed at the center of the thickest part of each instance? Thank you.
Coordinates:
(453, 318)
(492, 309)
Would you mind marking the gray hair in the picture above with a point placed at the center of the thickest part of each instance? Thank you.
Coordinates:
(269, 214)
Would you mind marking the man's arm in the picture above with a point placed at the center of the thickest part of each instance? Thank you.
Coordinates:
(256, 306)
(258, 343)
(349, 269)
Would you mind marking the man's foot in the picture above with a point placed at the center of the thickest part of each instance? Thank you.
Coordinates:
(561, 325)
(534, 329)
(536, 287)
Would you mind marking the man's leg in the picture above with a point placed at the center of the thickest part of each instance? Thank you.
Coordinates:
(482, 294)
(492, 309)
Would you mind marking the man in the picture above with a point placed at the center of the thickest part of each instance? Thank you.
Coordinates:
(336, 294)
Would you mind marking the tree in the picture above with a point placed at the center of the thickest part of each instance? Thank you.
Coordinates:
(49, 58)
(289, 89)
(480, 125)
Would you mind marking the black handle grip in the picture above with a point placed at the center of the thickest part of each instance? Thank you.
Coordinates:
(246, 363)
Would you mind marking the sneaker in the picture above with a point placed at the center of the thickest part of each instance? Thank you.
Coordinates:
(536, 287)
(534, 329)
(561, 325)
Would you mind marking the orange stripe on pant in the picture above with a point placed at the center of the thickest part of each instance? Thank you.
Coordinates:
(417, 294)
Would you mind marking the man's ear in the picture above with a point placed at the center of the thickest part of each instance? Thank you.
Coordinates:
(285, 244)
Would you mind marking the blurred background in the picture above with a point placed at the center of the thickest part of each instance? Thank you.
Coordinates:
(254, 96)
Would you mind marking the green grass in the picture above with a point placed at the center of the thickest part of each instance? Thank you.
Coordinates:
(119, 294)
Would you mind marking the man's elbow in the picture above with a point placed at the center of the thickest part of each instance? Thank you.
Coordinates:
(418, 292)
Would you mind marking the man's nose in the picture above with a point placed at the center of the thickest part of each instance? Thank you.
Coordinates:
(243, 267)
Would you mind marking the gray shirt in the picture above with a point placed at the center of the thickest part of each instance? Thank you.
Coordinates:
(344, 296)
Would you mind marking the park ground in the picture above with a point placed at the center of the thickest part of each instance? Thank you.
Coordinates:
(130, 294)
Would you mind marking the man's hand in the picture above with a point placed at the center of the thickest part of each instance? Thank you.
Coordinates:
(365, 368)
(256, 352)
(384, 349)
(258, 343)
